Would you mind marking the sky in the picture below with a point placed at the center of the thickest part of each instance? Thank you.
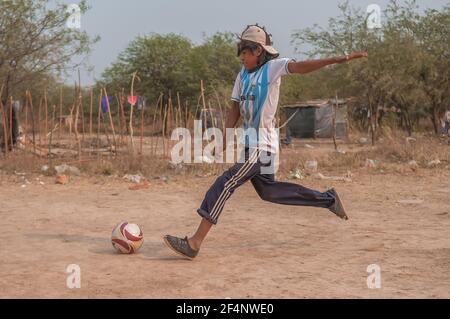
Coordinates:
(118, 22)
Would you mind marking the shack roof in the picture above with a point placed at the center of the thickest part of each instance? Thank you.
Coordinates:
(316, 103)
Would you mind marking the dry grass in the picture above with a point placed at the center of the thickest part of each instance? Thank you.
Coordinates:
(390, 153)
(147, 166)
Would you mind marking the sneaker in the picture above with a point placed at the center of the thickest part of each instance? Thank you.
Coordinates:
(338, 207)
(180, 246)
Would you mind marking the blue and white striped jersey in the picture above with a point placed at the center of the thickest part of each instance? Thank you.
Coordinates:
(258, 94)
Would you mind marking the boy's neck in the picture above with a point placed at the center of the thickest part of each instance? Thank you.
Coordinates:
(256, 68)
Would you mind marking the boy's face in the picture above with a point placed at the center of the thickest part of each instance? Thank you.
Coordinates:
(249, 59)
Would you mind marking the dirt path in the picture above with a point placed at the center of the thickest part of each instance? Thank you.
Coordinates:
(259, 250)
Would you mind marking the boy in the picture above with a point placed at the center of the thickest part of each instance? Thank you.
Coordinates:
(255, 98)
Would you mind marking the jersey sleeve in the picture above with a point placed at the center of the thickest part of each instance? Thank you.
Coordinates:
(278, 68)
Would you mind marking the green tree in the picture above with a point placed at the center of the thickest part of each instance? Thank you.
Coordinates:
(36, 47)
(408, 65)
(159, 61)
(434, 41)
(35, 42)
(171, 63)
(214, 61)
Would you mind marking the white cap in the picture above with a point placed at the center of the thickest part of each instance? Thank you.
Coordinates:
(258, 35)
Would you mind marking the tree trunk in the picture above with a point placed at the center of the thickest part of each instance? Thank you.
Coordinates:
(408, 123)
(433, 120)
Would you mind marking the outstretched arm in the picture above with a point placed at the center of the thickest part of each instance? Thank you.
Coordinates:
(304, 67)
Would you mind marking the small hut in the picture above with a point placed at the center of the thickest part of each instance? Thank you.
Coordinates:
(314, 119)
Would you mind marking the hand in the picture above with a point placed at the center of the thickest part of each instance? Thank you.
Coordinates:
(357, 55)
(352, 56)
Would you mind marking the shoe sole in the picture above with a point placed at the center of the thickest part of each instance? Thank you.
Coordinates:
(176, 251)
(344, 217)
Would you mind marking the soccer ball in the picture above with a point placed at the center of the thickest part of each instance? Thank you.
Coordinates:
(127, 238)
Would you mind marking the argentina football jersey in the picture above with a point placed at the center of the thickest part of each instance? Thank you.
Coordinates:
(257, 93)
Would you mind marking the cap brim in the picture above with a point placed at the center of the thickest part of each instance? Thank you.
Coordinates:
(270, 49)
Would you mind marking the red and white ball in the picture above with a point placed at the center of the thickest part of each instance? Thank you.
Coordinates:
(127, 238)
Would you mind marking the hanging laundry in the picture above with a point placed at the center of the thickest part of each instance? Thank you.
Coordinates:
(141, 103)
(105, 103)
(132, 99)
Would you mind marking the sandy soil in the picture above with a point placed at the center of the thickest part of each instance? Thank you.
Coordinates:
(259, 250)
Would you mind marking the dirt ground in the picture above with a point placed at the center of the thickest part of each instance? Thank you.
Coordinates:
(399, 222)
